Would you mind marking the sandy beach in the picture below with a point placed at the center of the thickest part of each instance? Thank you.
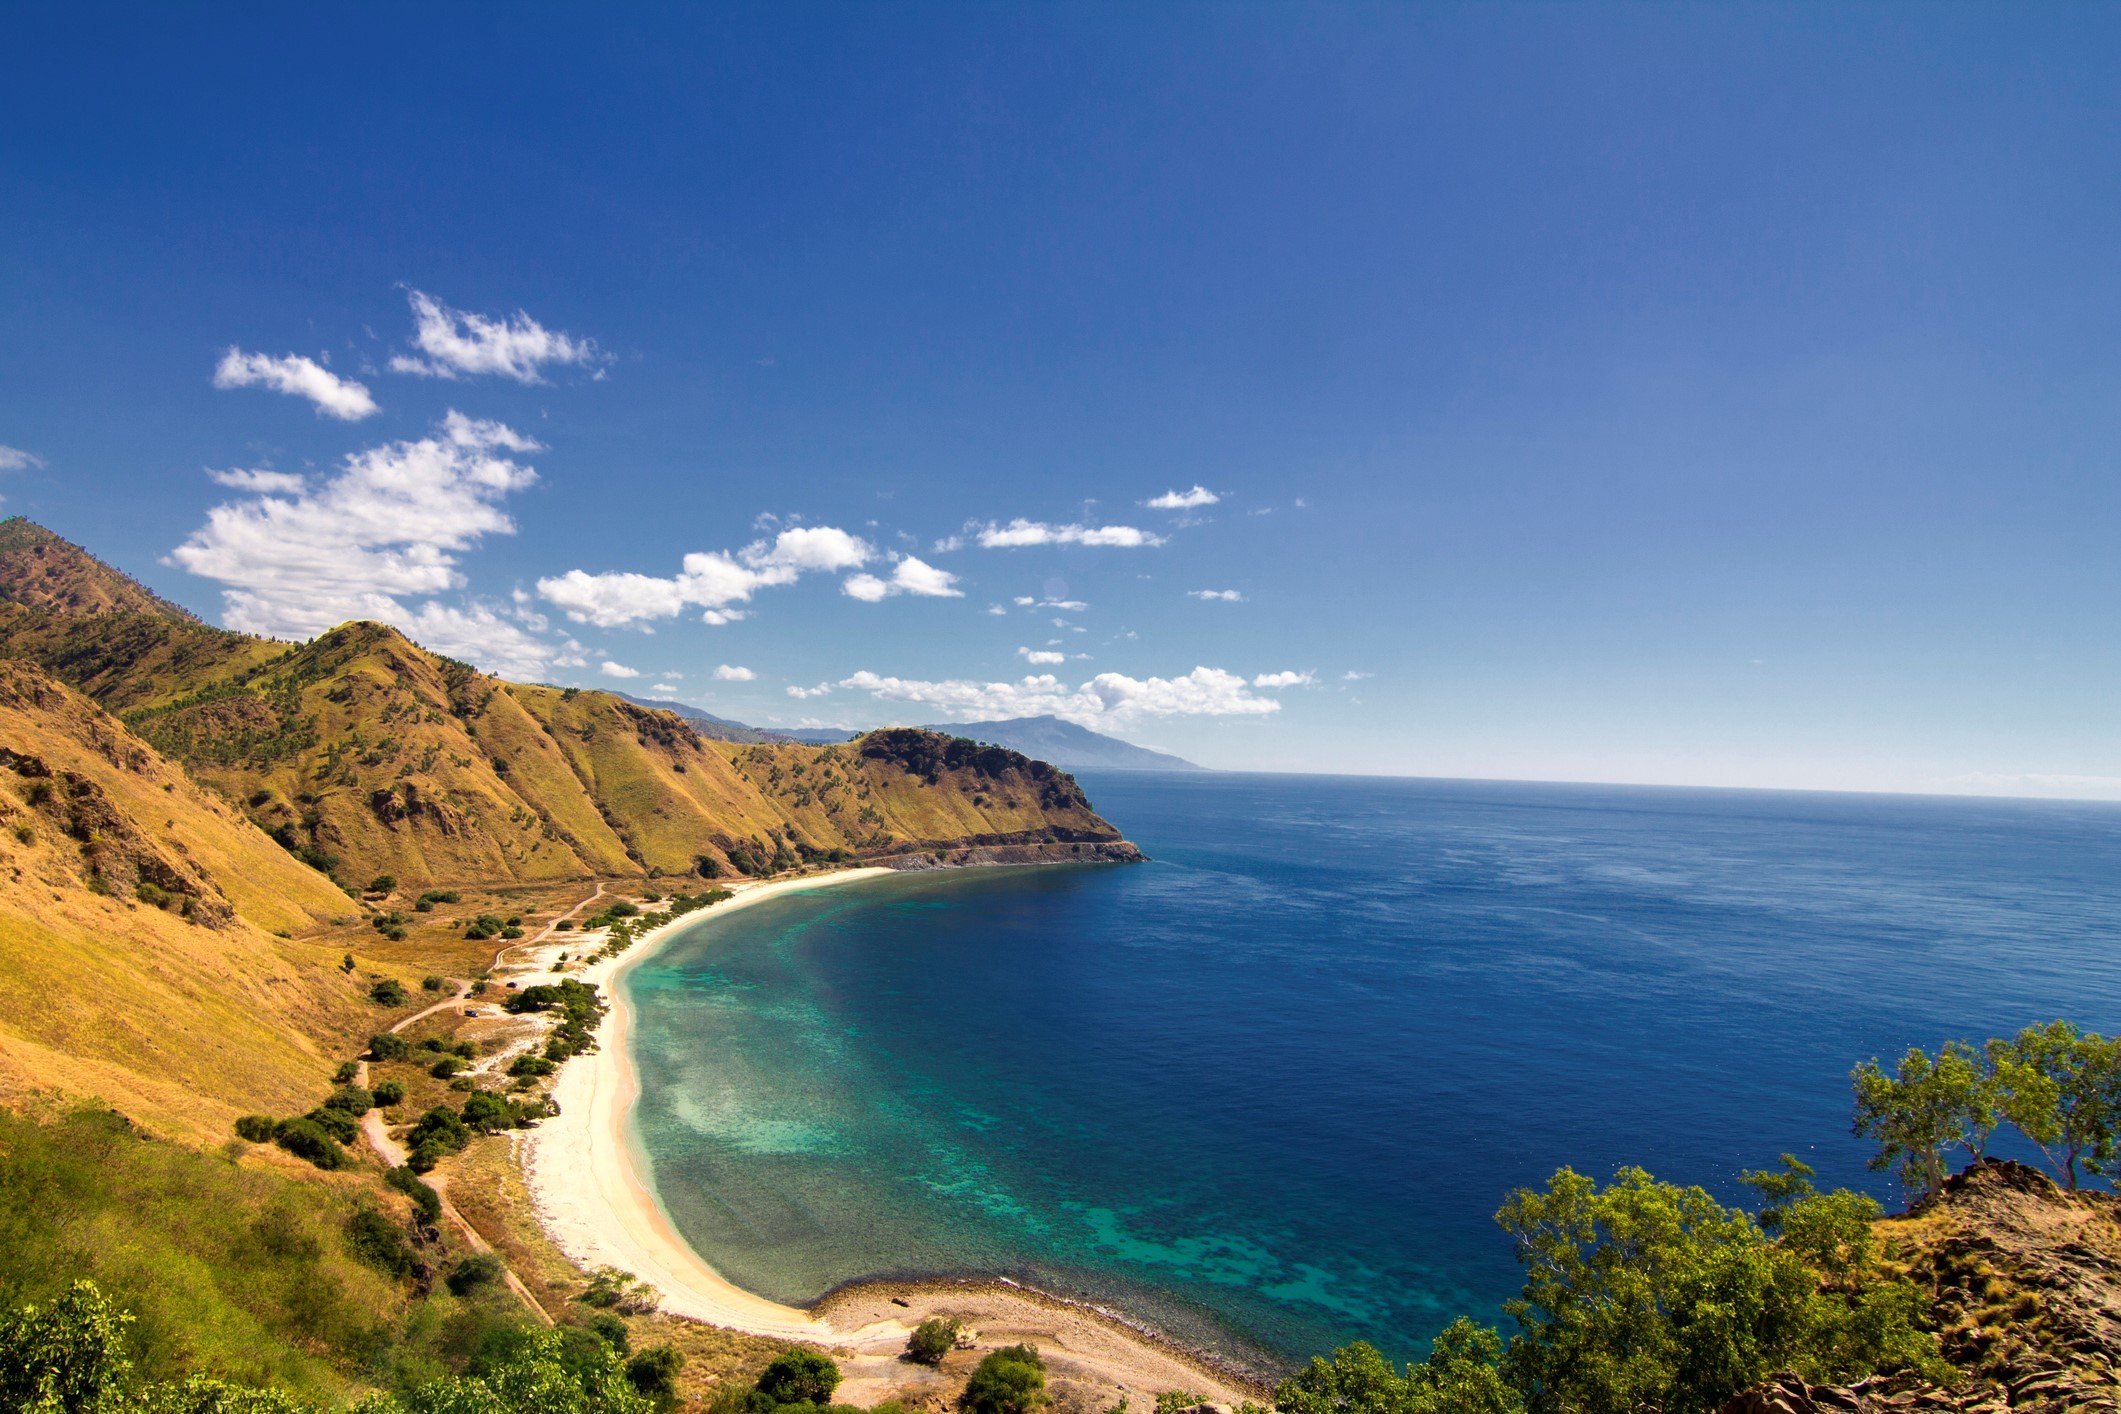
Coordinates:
(590, 1186)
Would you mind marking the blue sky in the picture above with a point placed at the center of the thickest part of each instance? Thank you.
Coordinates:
(1693, 394)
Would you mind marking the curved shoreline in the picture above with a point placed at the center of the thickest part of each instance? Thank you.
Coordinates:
(590, 1185)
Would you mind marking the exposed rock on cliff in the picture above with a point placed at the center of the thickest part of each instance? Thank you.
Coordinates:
(2027, 1283)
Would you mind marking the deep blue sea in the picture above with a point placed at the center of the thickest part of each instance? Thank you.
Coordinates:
(1268, 1090)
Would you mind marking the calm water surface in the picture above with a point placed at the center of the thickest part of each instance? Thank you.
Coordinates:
(1268, 1090)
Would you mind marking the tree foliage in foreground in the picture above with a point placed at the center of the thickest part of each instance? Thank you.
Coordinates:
(68, 1357)
(2056, 1085)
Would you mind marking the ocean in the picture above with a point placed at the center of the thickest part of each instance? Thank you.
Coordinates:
(1267, 1091)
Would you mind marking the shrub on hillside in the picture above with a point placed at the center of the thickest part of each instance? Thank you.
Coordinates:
(654, 1372)
(376, 1240)
(258, 1129)
(475, 1273)
(351, 1099)
(388, 1047)
(388, 1093)
(1011, 1380)
(932, 1339)
(340, 1125)
(305, 1139)
(799, 1377)
(389, 992)
(425, 1201)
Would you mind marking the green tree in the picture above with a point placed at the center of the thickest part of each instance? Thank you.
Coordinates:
(1463, 1374)
(1645, 1294)
(68, 1355)
(541, 1377)
(654, 1371)
(932, 1339)
(800, 1377)
(1011, 1380)
(1923, 1110)
(2057, 1085)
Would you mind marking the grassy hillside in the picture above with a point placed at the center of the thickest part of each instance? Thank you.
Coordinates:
(137, 920)
(40, 570)
(366, 755)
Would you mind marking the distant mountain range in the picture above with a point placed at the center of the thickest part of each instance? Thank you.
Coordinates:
(1066, 745)
(1049, 739)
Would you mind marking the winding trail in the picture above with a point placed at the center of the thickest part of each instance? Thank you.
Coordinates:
(393, 1154)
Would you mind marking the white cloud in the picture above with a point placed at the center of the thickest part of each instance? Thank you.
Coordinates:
(612, 600)
(1041, 657)
(386, 526)
(617, 670)
(712, 580)
(997, 611)
(457, 343)
(264, 482)
(1021, 532)
(663, 687)
(302, 377)
(15, 459)
(821, 547)
(1355, 675)
(1183, 500)
(867, 588)
(1284, 680)
(909, 576)
(1066, 606)
(1025, 601)
(728, 672)
(480, 636)
(800, 693)
(1108, 697)
(949, 543)
(915, 576)
(1227, 596)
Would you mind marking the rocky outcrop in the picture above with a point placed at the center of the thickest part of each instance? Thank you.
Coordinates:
(966, 856)
(2026, 1280)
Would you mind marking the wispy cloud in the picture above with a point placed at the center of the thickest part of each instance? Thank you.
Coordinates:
(1106, 698)
(1183, 500)
(1020, 533)
(300, 377)
(1285, 679)
(458, 344)
(15, 459)
(729, 672)
(1226, 596)
(263, 482)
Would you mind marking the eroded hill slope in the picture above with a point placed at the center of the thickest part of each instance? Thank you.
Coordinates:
(137, 922)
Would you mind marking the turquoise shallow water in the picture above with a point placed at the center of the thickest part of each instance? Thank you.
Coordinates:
(1267, 1090)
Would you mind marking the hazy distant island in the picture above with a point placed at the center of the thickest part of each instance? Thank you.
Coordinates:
(1050, 739)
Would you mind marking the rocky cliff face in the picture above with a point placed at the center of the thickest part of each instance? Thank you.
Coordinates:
(2027, 1283)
